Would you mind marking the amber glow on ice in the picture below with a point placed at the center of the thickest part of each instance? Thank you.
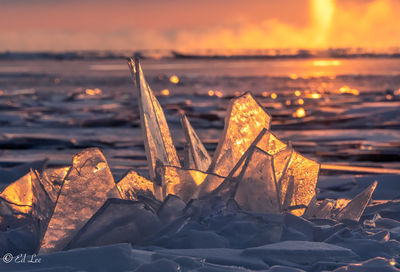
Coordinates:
(299, 113)
(324, 63)
(347, 90)
(174, 79)
(165, 92)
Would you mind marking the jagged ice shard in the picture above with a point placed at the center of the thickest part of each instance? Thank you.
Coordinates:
(159, 146)
(342, 209)
(257, 188)
(132, 185)
(355, 208)
(184, 182)
(83, 192)
(244, 121)
(297, 183)
(26, 196)
(197, 155)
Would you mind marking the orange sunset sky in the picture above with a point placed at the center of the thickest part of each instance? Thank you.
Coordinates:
(57, 25)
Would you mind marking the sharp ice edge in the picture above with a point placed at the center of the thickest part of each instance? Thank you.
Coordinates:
(196, 156)
(158, 142)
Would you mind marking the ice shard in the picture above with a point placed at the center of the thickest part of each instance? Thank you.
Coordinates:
(26, 197)
(159, 146)
(132, 185)
(52, 179)
(117, 221)
(320, 210)
(257, 189)
(183, 182)
(297, 176)
(43, 205)
(83, 192)
(244, 121)
(18, 196)
(197, 155)
(267, 142)
(355, 208)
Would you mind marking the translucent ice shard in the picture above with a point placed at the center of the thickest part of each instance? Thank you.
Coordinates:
(83, 192)
(19, 195)
(267, 142)
(52, 179)
(357, 205)
(298, 178)
(257, 188)
(158, 142)
(183, 182)
(197, 154)
(244, 121)
(210, 183)
(117, 221)
(27, 197)
(132, 185)
(322, 210)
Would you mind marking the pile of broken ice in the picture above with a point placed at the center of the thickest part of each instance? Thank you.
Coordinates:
(252, 206)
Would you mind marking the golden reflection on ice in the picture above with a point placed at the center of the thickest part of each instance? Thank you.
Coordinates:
(95, 91)
(244, 121)
(347, 90)
(174, 79)
(325, 63)
(299, 113)
(219, 94)
(165, 92)
(315, 96)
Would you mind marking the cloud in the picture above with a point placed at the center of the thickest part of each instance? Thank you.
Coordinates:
(371, 24)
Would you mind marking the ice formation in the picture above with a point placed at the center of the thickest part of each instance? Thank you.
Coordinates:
(254, 178)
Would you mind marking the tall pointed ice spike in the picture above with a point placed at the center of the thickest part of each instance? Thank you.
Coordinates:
(244, 121)
(196, 152)
(158, 142)
(357, 205)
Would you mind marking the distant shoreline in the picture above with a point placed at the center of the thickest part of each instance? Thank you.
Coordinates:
(263, 54)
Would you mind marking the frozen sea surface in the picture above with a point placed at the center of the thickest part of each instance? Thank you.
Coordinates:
(52, 109)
